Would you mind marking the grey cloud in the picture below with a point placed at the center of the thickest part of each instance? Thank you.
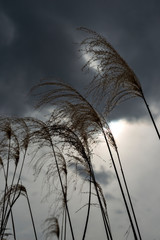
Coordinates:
(104, 177)
(38, 41)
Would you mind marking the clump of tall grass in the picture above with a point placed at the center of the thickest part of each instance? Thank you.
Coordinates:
(67, 149)
(64, 149)
(42, 136)
(14, 142)
(63, 146)
(85, 121)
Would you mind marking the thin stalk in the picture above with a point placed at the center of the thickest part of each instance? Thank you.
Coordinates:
(30, 210)
(120, 185)
(89, 206)
(129, 197)
(64, 195)
(105, 221)
(13, 226)
(65, 212)
(151, 116)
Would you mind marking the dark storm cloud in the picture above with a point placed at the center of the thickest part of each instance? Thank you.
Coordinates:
(41, 48)
(37, 41)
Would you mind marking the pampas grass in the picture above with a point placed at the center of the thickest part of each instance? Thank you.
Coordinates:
(63, 145)
(114, 81)
(14, 141)
(84, 120)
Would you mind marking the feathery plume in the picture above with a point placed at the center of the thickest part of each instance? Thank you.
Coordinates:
(114, 81)
(52, 228)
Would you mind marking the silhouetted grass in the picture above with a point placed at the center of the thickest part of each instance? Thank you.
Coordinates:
(114, 81)
(14, 141)
(63, 146)
(84, 120)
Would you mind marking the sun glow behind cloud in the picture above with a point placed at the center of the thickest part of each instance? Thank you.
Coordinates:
(117, 127)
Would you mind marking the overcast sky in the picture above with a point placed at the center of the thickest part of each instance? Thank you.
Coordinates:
(38, 40)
